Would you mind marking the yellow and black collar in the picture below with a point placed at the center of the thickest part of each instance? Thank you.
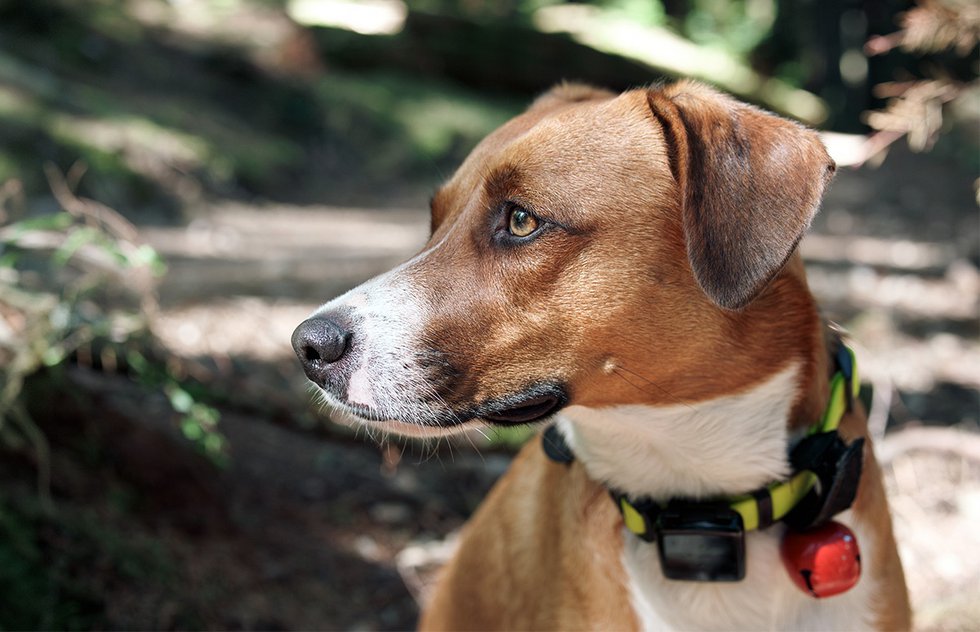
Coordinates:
(827, 473)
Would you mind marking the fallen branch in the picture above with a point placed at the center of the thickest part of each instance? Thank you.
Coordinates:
(89, 210)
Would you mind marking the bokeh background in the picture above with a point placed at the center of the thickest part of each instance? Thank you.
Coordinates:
(183, 181)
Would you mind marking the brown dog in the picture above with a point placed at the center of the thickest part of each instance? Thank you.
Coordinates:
(630, 261)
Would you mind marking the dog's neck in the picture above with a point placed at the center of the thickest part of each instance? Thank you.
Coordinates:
(732, 443)
(720, 447)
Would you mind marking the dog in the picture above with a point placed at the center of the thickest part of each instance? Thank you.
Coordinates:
(625, 266)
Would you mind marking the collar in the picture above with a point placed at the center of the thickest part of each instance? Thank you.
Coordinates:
(824, 483)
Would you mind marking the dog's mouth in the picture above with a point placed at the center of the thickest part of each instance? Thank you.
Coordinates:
(531, 410)
(527, 408)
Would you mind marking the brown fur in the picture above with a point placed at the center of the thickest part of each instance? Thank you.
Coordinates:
(495, 583)
(871, 506)
(674, 215)
(523, 564)
(566, 307)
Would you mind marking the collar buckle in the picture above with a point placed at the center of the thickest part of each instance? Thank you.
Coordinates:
(837, 466)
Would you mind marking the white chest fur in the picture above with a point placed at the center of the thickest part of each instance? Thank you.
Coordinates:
(725, 446)
(765, 600)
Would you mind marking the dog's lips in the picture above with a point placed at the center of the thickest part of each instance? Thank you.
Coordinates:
(533, 404)
(352, 409)
(526, 411)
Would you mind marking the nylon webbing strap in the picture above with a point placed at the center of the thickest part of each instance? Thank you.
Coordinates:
(768, 505)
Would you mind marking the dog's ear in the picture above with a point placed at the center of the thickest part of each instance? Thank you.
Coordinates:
(750, 183)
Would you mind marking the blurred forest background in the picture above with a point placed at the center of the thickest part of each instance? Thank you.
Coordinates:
(183, 181)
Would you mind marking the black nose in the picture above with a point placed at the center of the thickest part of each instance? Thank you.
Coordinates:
(319, 342)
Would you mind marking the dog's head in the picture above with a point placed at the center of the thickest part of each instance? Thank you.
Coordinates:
(596, 250)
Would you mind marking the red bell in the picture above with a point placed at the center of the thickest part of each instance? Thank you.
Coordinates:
(824, 561)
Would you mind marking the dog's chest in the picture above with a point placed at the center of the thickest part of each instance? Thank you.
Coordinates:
(765, 600)
(715, 448)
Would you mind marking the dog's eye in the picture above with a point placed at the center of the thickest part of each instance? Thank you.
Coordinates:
(521, 222)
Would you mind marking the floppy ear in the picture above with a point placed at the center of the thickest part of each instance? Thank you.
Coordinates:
(750, 182)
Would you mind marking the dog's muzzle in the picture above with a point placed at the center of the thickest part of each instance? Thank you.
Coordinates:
(334, 353)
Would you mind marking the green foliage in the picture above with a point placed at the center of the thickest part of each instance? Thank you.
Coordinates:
(198, 422)
(81, 279)
(87, 81)
(646, 12)
(511, 437)
(65, 317)
(32, 595)
(400, 123)
(44, 116)
(737, 26)
(55, 564)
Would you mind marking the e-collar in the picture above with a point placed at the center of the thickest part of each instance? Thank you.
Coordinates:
(705, 540)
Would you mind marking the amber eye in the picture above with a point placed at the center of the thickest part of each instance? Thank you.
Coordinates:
(521, 222)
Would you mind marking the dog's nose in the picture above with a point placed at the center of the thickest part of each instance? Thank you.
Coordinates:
(319, 342)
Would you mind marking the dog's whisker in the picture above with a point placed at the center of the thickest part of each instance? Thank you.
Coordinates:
(482, 432)
(650, 382)
(475, 447)
(452, 455)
